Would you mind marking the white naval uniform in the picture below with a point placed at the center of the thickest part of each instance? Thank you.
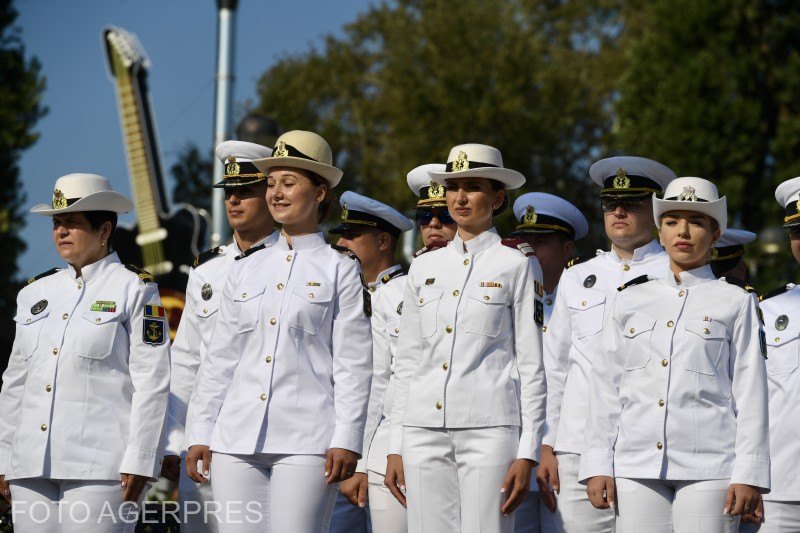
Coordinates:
(203, 295)
(679, 388)
(469, 379)
(782, 330)
(585, 292)
(84, 396)
(287, 370)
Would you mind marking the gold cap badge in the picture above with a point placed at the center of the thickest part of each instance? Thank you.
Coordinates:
(797, 204)
(280, 150)
(461, 162)
(344, 213)
(436, 191)
(59, 201)
(530, 216)
(232, 168)
(621, 181)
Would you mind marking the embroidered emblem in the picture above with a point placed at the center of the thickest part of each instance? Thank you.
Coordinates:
(621, 180)
(232, 168)
(590, 280)
(153, 331)
(763, 341)
(105, 306)
(155, 311)
(538, 313)
(687, 195)
(435, 191)
(280, 150)
(537, 288)
(530, 216)
(206, 292)
(59, 201)
(400, 309)
(38, 307)
(781, 322)
(461, 162)
(430, 281)
(713, 254)
(345, 212)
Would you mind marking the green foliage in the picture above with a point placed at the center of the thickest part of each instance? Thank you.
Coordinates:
(192, 175)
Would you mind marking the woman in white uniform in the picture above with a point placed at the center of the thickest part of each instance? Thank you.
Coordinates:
(468, 410)
(678, 414)
(84, 397)
(281, 398)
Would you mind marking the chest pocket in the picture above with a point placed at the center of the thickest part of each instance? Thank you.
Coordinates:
(29, 326)
(705, 342)
(308, 308)
(587, 309)
(428, 304)
(96, 334)
(247, 300)
(782, 348)
(638, 332)
(207, 308)
(485, 311)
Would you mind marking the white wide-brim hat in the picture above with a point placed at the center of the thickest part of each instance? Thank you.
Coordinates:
(692, 194)
(480, 161)
(304, 150)
(83, 192)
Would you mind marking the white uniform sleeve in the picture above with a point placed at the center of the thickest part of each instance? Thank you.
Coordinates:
(409, 351)
(749, 387)
(557, 341)
(216, 372)
(381, 373)
(11, 398)
(530, 365)
(149, 369)
(602, 422)
(352, 359)
(185, 364)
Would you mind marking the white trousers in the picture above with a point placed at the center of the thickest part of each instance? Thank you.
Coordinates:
(574, 512)
(387, 515)
(68, 506)
(267, 493)
(454, 476)
(779, 517)
(659, 506)
(197, 505)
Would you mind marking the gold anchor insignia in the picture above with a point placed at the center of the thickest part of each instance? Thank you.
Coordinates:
(59, 201)
(232, 169)
(687, 195)
(621, 181)
(530, 216)
(436, 191)
(155, 332)
(461, 162)
(344, 212)
(797, 204)
(280, 150)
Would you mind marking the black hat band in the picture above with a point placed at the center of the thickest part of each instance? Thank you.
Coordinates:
(551, 223)
(360, 218)
(287, 150)
(242, 170)
(634, 185)
(470, 165)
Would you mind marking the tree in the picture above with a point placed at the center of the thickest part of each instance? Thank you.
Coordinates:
(192, 176)
(20, 108)
(412, 78)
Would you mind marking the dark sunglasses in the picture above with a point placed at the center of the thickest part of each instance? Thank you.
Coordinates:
(424, 216)
(631, 206)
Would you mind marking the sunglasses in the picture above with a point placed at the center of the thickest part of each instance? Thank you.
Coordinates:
(424, 216)
(630, 206)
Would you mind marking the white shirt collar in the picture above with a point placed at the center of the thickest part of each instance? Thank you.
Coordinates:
(477, 244)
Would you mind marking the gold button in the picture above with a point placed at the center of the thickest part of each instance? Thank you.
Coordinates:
(263, 397)
(466, 261)
(205, 311)
(438, 405)
(280, 286)
(626, 267)
(486, 298)
(97, 319)
(421, 301)
(661, 403)
(583, 303)
(397, 330)
(632, 330)
(80, 286)
(664, 362)
(706, 331)
(372, 289)
(456, 293)
(659, 445)
(445, 366)
(311, 295)
(777, 339)
(549, 301)
(670, 324)
(288, 258)
(43, 427)
(64, 316)
(449, 329)
(544, 328)
(273, 321)
(48, 388)
(55, 351)
(244, 295)
(268, 359)
(681, 293)
(28, 320)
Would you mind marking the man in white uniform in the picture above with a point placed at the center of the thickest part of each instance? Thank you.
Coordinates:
(585, 292)
(371, 230)
(551, 225)
(436, 226)
(248, 215)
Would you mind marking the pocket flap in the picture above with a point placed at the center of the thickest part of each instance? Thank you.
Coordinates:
(428, 295)
(315, 294)
(587, 300)
(243, 294)
(26, 317)
(489, 295)
(707, 329)
(99, 317)
(779, 337)
(638, 325)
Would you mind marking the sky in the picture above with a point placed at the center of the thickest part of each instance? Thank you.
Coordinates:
(82, 131)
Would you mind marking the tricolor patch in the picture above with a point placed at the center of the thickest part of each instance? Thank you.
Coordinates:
(155, 311)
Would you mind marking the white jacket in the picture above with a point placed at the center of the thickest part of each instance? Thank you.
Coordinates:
(85, 392)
